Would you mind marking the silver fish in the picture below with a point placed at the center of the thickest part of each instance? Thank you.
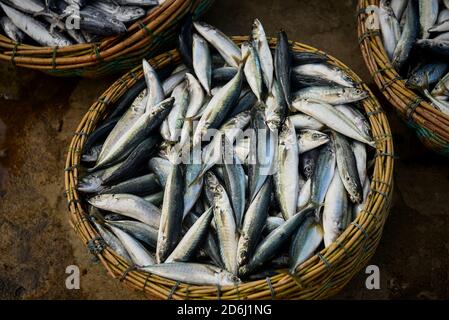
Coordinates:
(196, 94)
(35, 29)
(112, 241)
(357, 118)
(347, 167)
(336, 214)
(225, 46)
(11, 30)
(255, 219)
(428, 15)
(272, 224)
(194, 185)
(193, 273)
(275, 104)
(324, 72)
(263, 49)
(262, 153)
(305, 242)
(271, 245)
(137, 132)
(304, 122)
(224, 220)
(322, 177)
(234, 179)
(286, 177)
(332, 118)
(155, 198)
(252, 69)
(173, 81)
(358, 208)
(332, 94)
(138, 230)
(311, 139)
(389, 26)
(218, 106)
(304, 195)
(193, 239)
(161, 168)
(139, 255)
(171, 127)
(172, 214)
(130, 206)
(202, 63)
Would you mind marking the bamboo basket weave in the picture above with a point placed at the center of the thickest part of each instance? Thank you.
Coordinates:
(144, 39)
(320, 277)
(430, 125)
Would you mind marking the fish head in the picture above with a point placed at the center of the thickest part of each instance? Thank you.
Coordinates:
(355, 94)
(273, 123)
(197, 38)
(90, 184)
(257, 26)
(132, 13)
(308, 168)
(385, 3)
(162, 106)
(226, 278)
(99, 201)
(300, 103)
(416, 81)
(190, 78)
(355, 192)
(246, 50)
(212, 182)
(200, 25)
(424, 43)
(314, 135)
(119, 26)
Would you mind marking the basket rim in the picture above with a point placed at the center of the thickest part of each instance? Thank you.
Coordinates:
(412, 107)
(350, 252)
(139, 33)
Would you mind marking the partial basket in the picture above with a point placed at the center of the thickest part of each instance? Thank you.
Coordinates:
(321, 276)
(431, 125)
(144, 39)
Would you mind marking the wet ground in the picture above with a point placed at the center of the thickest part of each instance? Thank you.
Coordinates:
(38, 115)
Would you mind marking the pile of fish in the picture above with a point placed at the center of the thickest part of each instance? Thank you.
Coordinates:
(237, 164)
(61, 23)
(415, 35)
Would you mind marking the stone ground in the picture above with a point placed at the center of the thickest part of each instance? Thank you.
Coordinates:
(38, 115)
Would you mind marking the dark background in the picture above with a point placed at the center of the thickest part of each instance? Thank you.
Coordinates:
(38, 115)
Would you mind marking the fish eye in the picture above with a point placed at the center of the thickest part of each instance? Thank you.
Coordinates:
(315, 135)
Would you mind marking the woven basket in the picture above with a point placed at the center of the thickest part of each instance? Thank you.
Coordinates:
(321, 276)
(145, 39)
(431, 125)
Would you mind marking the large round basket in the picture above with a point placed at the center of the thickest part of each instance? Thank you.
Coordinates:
(431, 125)
(145, 39)
(320, 277)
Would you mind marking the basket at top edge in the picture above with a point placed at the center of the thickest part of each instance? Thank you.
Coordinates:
(430, 125)
(145, 38)
(321, 276)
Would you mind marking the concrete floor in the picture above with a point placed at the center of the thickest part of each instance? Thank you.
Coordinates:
(38, 115)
